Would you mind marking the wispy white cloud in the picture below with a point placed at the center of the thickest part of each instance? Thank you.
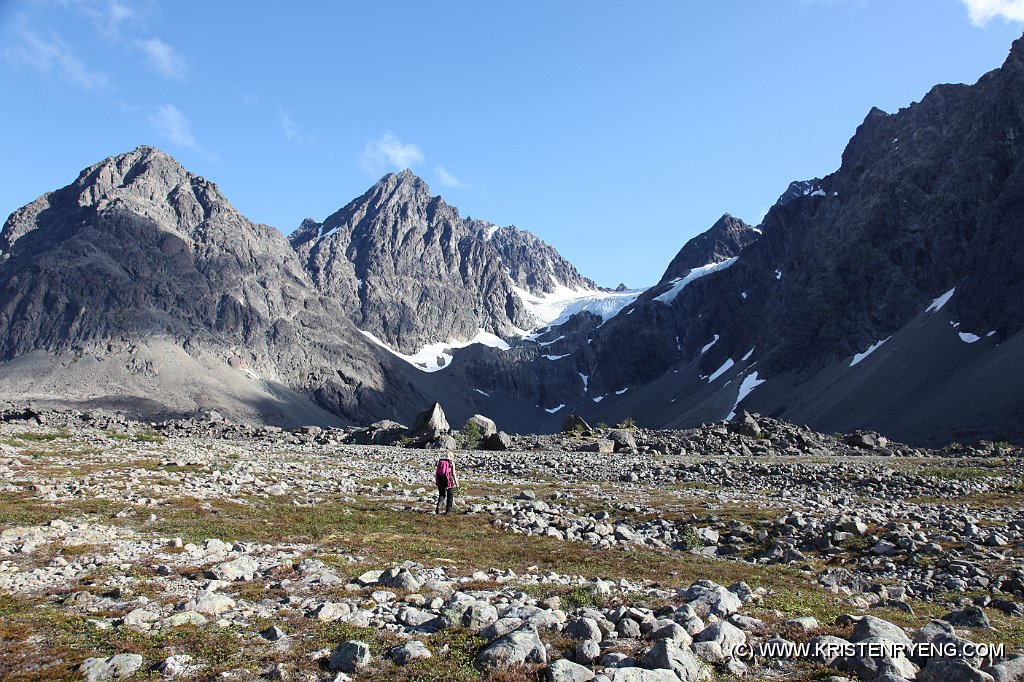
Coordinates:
(49, 54)
(983, 11)
(163, 58)
(108, 16)
(172, 125)
(387, 151)
(291, 130)
(447, 179)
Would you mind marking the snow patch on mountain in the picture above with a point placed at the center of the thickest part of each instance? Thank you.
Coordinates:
(721, 370)
(940, 301)
(708, 346)
(680, 283)
(436, 356)
(871, 349)
(750, 382)
(561, 304)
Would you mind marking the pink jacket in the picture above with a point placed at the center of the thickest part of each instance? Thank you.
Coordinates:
(445, 473)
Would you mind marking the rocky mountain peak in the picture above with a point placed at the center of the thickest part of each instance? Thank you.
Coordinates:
(144, 182)
(723, 240)
(532, 263)
(401, 187)
(407, 267)
(143, 171)
(1015, 59)
(799, 188)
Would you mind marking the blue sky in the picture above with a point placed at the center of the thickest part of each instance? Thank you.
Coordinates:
(613, 130)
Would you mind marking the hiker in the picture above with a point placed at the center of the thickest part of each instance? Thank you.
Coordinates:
(446, 482)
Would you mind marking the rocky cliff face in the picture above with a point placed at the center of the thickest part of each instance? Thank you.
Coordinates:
(412, 272)
(138, 249)
(532, 264)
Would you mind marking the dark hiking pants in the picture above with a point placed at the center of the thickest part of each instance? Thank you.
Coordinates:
(444, 495)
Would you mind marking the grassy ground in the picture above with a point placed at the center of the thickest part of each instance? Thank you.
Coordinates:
(41, 641)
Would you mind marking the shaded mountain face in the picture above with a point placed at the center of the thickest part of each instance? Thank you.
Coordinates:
(927, 201)
(800, 188)
(137, 249)
(722, 241)
(409, 270)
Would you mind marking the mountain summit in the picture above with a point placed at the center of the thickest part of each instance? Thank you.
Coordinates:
(413, 273)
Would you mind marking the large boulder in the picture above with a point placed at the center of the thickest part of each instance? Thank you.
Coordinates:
(466, 611)
(1010, 670)
(486, 425)
(641, 675)
(445, 442)
(410, 652)
(383, 432)
(871, 633)
(952, 670)
(567, 671)
(431, 424)
(623, 440)
(583, 628)
(349, 657)
(523, 646)
(574, 422)
(601, 445)
(745, 425)
(677, 657)
(725, 634)
(242, 568)
(497, 441)
(970, 617)
(116, 667)
(709, 598)
(871, 629)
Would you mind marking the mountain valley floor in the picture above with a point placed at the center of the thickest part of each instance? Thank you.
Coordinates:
(207, 550)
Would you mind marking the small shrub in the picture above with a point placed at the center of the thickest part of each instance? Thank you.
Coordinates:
(690, 539)
(627, 423)
(470, 436)
(578, 597)
(602, 425)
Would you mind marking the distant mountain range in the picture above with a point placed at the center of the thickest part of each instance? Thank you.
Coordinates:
(888, 295)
